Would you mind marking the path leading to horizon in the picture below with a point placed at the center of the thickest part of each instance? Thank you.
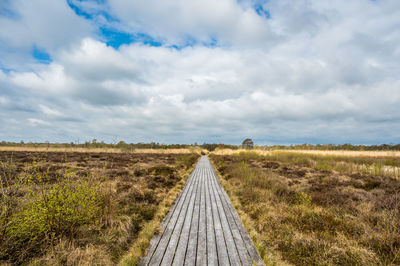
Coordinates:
(202, 227)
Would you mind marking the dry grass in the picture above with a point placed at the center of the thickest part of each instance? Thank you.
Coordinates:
(315, 152)
(126, 195)
(377, 166)
(302, 215)
(100, 150)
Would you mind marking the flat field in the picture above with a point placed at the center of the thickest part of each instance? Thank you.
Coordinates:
(93, 208)
(345, 153)
(315, 209)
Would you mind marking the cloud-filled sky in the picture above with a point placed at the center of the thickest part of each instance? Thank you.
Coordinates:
(176, 71)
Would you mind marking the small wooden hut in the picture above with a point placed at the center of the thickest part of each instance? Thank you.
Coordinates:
(248, 144)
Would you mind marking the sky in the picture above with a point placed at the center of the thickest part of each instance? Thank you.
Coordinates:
(185, 71)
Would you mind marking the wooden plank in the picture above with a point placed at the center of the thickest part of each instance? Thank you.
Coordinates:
(175, 208)
(243, 232)
(191, 250)
(158, 254)
(212, 253)
(183, 217)
(233, 254)
(223, 258)
(245, 258)
(201, 254)
(190, 221)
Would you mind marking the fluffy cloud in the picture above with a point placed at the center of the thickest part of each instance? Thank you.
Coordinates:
(49, 25)
(202, 20)
(310, 71)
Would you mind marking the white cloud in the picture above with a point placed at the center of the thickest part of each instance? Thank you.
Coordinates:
(175, 21)
(49, 80)
(49, 111)
(50, 25)
(3, 101)
(38, 122)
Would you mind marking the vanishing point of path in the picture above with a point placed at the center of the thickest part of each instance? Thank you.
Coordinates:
(202, 227)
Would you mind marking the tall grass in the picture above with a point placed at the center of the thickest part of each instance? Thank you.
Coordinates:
(377, 166)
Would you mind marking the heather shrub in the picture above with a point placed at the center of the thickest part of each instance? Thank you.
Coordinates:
(47, 212)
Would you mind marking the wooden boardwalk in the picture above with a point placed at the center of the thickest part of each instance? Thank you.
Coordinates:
(202, 227)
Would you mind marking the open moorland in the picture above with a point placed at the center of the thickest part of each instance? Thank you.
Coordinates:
(88, 208)
(301, 208)
(313, 209)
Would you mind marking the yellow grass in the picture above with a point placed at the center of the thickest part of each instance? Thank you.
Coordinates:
(99, 150)
(317, 152)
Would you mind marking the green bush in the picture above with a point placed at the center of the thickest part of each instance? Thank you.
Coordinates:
(47, 213)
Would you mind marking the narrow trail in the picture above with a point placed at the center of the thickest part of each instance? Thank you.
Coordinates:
(202, 227)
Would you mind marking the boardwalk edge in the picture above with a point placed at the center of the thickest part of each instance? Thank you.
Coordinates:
(150, 229)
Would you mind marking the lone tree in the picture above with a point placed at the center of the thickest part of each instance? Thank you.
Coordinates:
(248, 144)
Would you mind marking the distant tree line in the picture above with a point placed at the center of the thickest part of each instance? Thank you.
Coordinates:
(120, 145)
(350, 147)
(212, 147)
(95, 144)
(207, 146)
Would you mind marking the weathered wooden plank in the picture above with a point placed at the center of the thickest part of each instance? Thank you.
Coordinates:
(201, 252)
(233, 254)
(245, 258)
(243, 232)
(212, 253)
(158, 254)
(175, 208)
(223, 258)
(183, 219)
(183, 242)
(191, 250)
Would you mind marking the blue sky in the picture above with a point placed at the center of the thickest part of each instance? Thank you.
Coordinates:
(41, 55)
(304, 71)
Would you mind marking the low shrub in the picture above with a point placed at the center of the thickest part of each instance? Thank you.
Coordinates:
(163, 170)
(187, 160)
(47, 212)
